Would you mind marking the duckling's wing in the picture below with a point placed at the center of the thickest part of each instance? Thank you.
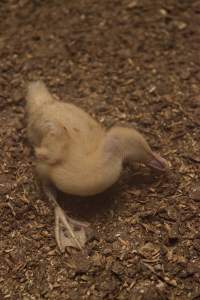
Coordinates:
(84, 132)
(50, 140)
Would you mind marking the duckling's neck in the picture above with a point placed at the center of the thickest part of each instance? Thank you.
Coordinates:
(116, 146)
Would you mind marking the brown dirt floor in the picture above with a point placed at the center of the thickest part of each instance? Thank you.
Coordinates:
(134, 62)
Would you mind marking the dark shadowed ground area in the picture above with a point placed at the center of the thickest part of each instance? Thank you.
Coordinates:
(134, 62)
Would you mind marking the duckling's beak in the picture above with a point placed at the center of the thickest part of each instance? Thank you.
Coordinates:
(158, 163)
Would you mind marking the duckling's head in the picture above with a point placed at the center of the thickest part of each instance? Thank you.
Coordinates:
(130, 145)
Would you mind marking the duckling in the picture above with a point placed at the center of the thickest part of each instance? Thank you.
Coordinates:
(77, 155)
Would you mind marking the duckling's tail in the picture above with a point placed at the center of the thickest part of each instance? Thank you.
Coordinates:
(37, 96)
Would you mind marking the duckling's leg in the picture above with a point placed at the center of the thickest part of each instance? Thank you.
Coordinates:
(67, 233)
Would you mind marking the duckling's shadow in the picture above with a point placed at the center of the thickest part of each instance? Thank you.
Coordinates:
(89, 208)
(138, 177)
(94, 207)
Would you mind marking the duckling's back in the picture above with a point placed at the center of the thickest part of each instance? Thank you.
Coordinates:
(46, 114)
